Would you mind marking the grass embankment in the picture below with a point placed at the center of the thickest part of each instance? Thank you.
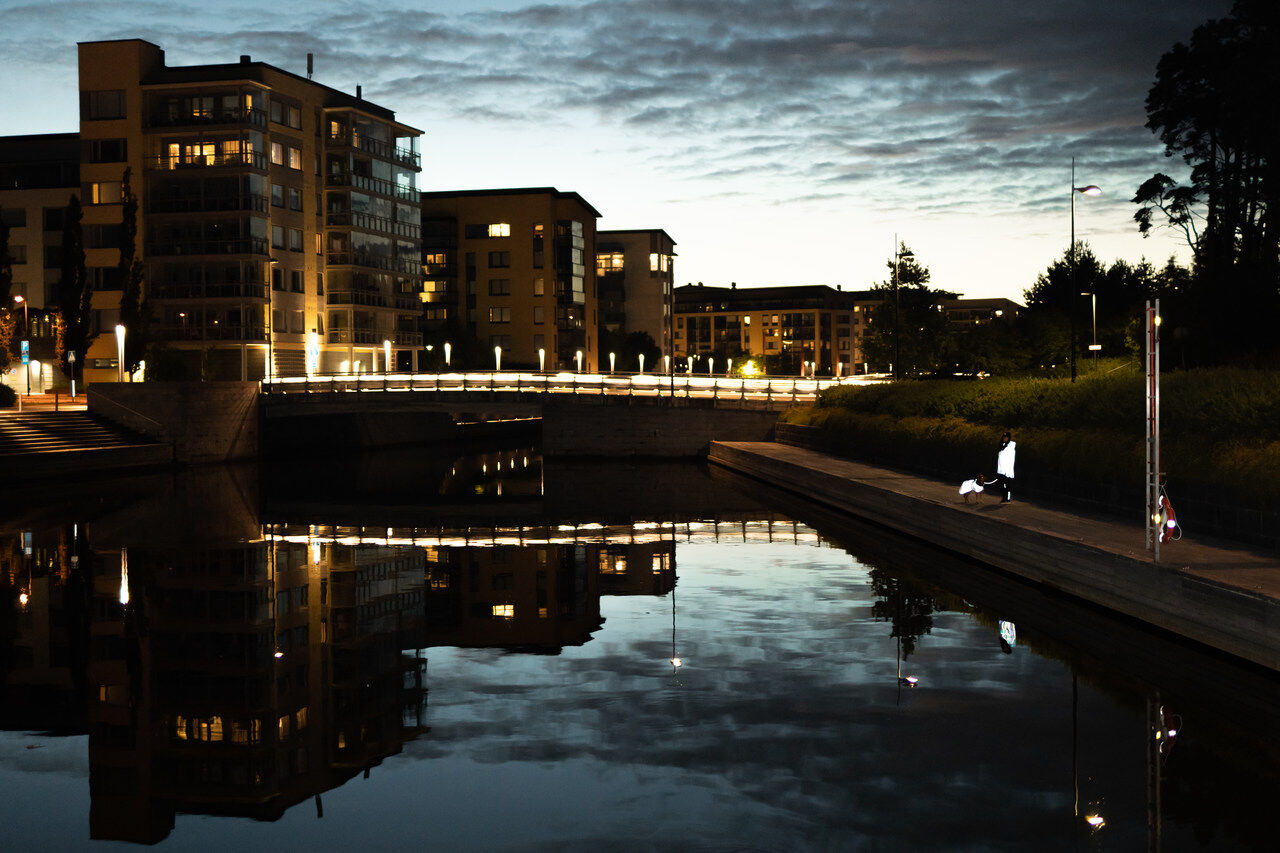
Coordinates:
(1220, 431)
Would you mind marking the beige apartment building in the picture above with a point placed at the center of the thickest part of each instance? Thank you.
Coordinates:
(511, 266)
(635, 278)
(811, 323)
(278, 220)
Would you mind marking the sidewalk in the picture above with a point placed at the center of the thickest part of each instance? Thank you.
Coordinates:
(51, 402)
(1220, 593)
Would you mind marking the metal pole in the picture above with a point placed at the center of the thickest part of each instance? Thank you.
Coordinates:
(897, 313)
(1072, 293)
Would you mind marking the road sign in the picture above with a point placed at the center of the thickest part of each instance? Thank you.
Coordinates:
(71, 356)
(26, 352)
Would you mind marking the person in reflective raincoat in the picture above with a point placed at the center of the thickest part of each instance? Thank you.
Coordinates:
(1004, 467)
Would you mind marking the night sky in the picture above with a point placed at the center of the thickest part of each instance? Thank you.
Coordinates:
(777, 141)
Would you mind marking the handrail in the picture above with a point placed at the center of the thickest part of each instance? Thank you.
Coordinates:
(98, 392)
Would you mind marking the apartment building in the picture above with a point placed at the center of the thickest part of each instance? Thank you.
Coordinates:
(38, 175)
(510, 265)
(976, 312)
(635, 278)
(278, 219)
(812, 323)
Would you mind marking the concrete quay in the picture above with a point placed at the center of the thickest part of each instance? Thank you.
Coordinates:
(1220, 594)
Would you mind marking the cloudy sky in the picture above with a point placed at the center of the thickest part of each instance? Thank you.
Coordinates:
(777, 141)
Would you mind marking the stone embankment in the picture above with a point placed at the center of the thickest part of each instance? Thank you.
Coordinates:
(1224, 596)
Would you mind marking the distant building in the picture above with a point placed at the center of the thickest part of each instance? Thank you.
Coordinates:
(970, 312)
(810, 323)
(512, 265)
(278, 217)
(38, 175)
(635, 275)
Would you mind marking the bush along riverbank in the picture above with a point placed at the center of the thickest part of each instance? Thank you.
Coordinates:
(1080, 442)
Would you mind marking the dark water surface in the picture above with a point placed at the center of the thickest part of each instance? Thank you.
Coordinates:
(477, 651)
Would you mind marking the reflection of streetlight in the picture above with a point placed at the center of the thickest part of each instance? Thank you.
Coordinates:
(1090, 190)
(676, 661)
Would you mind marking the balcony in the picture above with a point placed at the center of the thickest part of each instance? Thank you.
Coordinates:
(208, 291)
(210, 118)
(179, 204)
(368, 259)
(357, 297)
(369, 222)
(407, 339)
(356, 336)
(241, 159)
(213, 332)
(377, 147)
(390, 189)
(238, 246)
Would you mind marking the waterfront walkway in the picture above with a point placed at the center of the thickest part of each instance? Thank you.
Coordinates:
(1223, 594)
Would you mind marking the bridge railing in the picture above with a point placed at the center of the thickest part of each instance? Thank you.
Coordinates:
(746, 389)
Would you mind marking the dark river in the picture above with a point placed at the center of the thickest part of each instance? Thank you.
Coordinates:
(476, 651)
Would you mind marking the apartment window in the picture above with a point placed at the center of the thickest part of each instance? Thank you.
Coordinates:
(102, 236)
(103, 104)
(296, 324)
(653, 262)
(539, 287)
(18, 254)
(537, 245)
(436, 258)
(104, 192)
(277, 195)
(679, 322)
(496, 229)
(295, 158)
(53, 218)
(277, 236)
(103, 278)
(499, 287)
(539, 342)
(539, 314)
(295, 282)
(277, 112)
(295, 198)
(499, 260)
(295, 239)
(503, 341)
(608, 262)
(277, 278)
(107, 150)
(319, 280)
(293, 117)
(499, 315)
(500, 229)
(319, 243)
(14, 217)
(277, 153)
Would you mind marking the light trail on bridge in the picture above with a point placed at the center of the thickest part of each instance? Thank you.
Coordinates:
(742, 389)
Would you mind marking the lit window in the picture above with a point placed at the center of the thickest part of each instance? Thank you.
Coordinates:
(180, 727)
(277, 153)
(436, 258)
(295, 159)
(499, 315)
(499, 287)
(504, 611)
(653, 263)
(500, 229)
(539, 315)
(539, 287)
(105, 192)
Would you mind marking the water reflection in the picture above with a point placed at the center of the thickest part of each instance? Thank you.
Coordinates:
(236, 645)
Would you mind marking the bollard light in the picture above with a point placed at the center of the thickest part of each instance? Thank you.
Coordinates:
(120, 352)
(578, 356)
(711, 366)
(642, 362)
(612, 361)
(497, 358)
(542, 360)
(386, 353)
(448, 350)
(689, 366)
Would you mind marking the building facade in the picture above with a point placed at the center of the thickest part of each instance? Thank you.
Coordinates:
(38, 175)
(793, 326)
(278, 218)
(510, 266)
(976, 312)
(635, 277)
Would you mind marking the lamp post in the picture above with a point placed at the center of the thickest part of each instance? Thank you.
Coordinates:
(898, 257)
(18, 299)
(1094, 347)
(1089, 190)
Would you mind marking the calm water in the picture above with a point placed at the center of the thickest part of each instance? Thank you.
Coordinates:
(474, 651)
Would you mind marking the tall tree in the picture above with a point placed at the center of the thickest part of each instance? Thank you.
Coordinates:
(135, 312)
(72, 294)
(926, 338)
(1205, 107)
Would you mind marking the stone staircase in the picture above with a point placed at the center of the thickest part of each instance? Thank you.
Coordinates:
(37, 445)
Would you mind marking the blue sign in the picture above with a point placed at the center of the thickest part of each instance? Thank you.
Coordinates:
(26, 352)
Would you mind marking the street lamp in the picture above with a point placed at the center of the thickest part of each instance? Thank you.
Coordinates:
(1089, 190)
(18, 299)
(1094, 347)
(898, 257)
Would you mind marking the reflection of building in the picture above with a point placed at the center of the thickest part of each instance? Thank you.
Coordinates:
(647, 569)
(244, 680)
(272, 207)
(38, 175)
(513, 266)
(635, 273)
(806, 323)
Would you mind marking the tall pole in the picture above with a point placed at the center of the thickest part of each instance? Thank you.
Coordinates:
(1072, 291)
(897, 313)
(1153, 428)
